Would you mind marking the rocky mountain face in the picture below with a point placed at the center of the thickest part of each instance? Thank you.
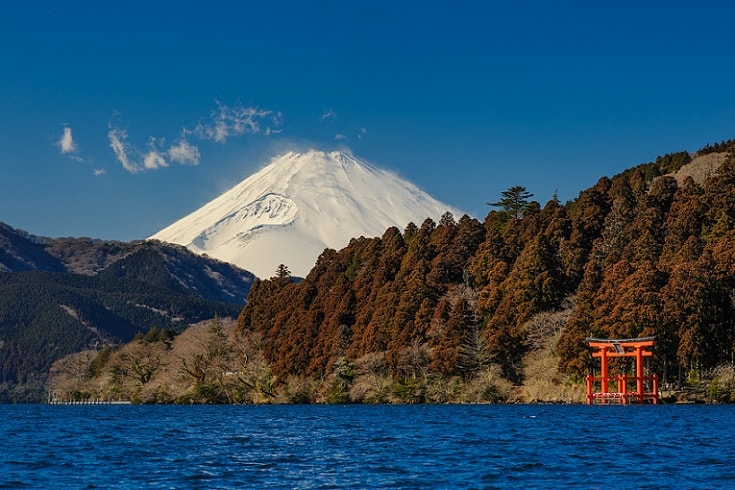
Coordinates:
(299, 205)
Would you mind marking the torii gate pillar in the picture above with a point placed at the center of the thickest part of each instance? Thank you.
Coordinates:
(606, 348)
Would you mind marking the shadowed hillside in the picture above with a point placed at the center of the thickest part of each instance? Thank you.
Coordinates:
(65, 295)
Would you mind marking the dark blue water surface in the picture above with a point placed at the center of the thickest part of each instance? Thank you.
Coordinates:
(491, 446)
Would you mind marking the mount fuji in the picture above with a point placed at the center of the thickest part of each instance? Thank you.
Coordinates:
(298, 205)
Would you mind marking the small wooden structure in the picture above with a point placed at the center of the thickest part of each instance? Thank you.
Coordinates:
(621, 388)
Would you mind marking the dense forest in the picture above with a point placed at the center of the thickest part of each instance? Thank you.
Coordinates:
(60, 296)
(470, 311)
(648, 252)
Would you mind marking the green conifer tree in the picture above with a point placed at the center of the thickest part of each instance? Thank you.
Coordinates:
(514, 202)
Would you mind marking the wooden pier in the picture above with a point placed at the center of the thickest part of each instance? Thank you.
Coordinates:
(54, 399)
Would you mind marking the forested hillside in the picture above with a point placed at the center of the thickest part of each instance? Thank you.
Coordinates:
(650, 251)
(65, 295)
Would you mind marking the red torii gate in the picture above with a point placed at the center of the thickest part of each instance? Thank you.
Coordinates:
(607, 348)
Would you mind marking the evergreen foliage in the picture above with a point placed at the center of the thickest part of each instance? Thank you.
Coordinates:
(47, 311)
(514, 202)
(454, 310)
(640, 253)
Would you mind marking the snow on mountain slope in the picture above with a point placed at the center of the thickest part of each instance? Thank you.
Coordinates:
(298, 205)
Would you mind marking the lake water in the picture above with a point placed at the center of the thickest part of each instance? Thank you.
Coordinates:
(489, 446)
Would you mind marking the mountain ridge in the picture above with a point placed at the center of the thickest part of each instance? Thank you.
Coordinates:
(59, 296)
(299, 204)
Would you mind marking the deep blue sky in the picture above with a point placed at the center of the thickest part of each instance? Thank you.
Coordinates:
(465, 99)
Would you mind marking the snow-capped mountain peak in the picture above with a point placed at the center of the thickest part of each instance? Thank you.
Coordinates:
(298, 205)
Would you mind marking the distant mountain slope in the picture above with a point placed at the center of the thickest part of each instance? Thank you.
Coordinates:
(44, 316)
(20, 251)
(176, 268)
(88, 255)
(297, 206)
(171, 265)
(58, 296)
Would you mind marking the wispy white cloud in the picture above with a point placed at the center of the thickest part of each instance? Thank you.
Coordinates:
(99, 171)
(227, 122)
(343, 137)
(154, 159)
(118, 142)
(328, 115)
(66, 143)
(184, 153)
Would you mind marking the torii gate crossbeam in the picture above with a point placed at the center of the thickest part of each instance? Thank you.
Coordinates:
(607, 348)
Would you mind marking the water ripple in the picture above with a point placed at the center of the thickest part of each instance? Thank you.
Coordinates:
(405, 447)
